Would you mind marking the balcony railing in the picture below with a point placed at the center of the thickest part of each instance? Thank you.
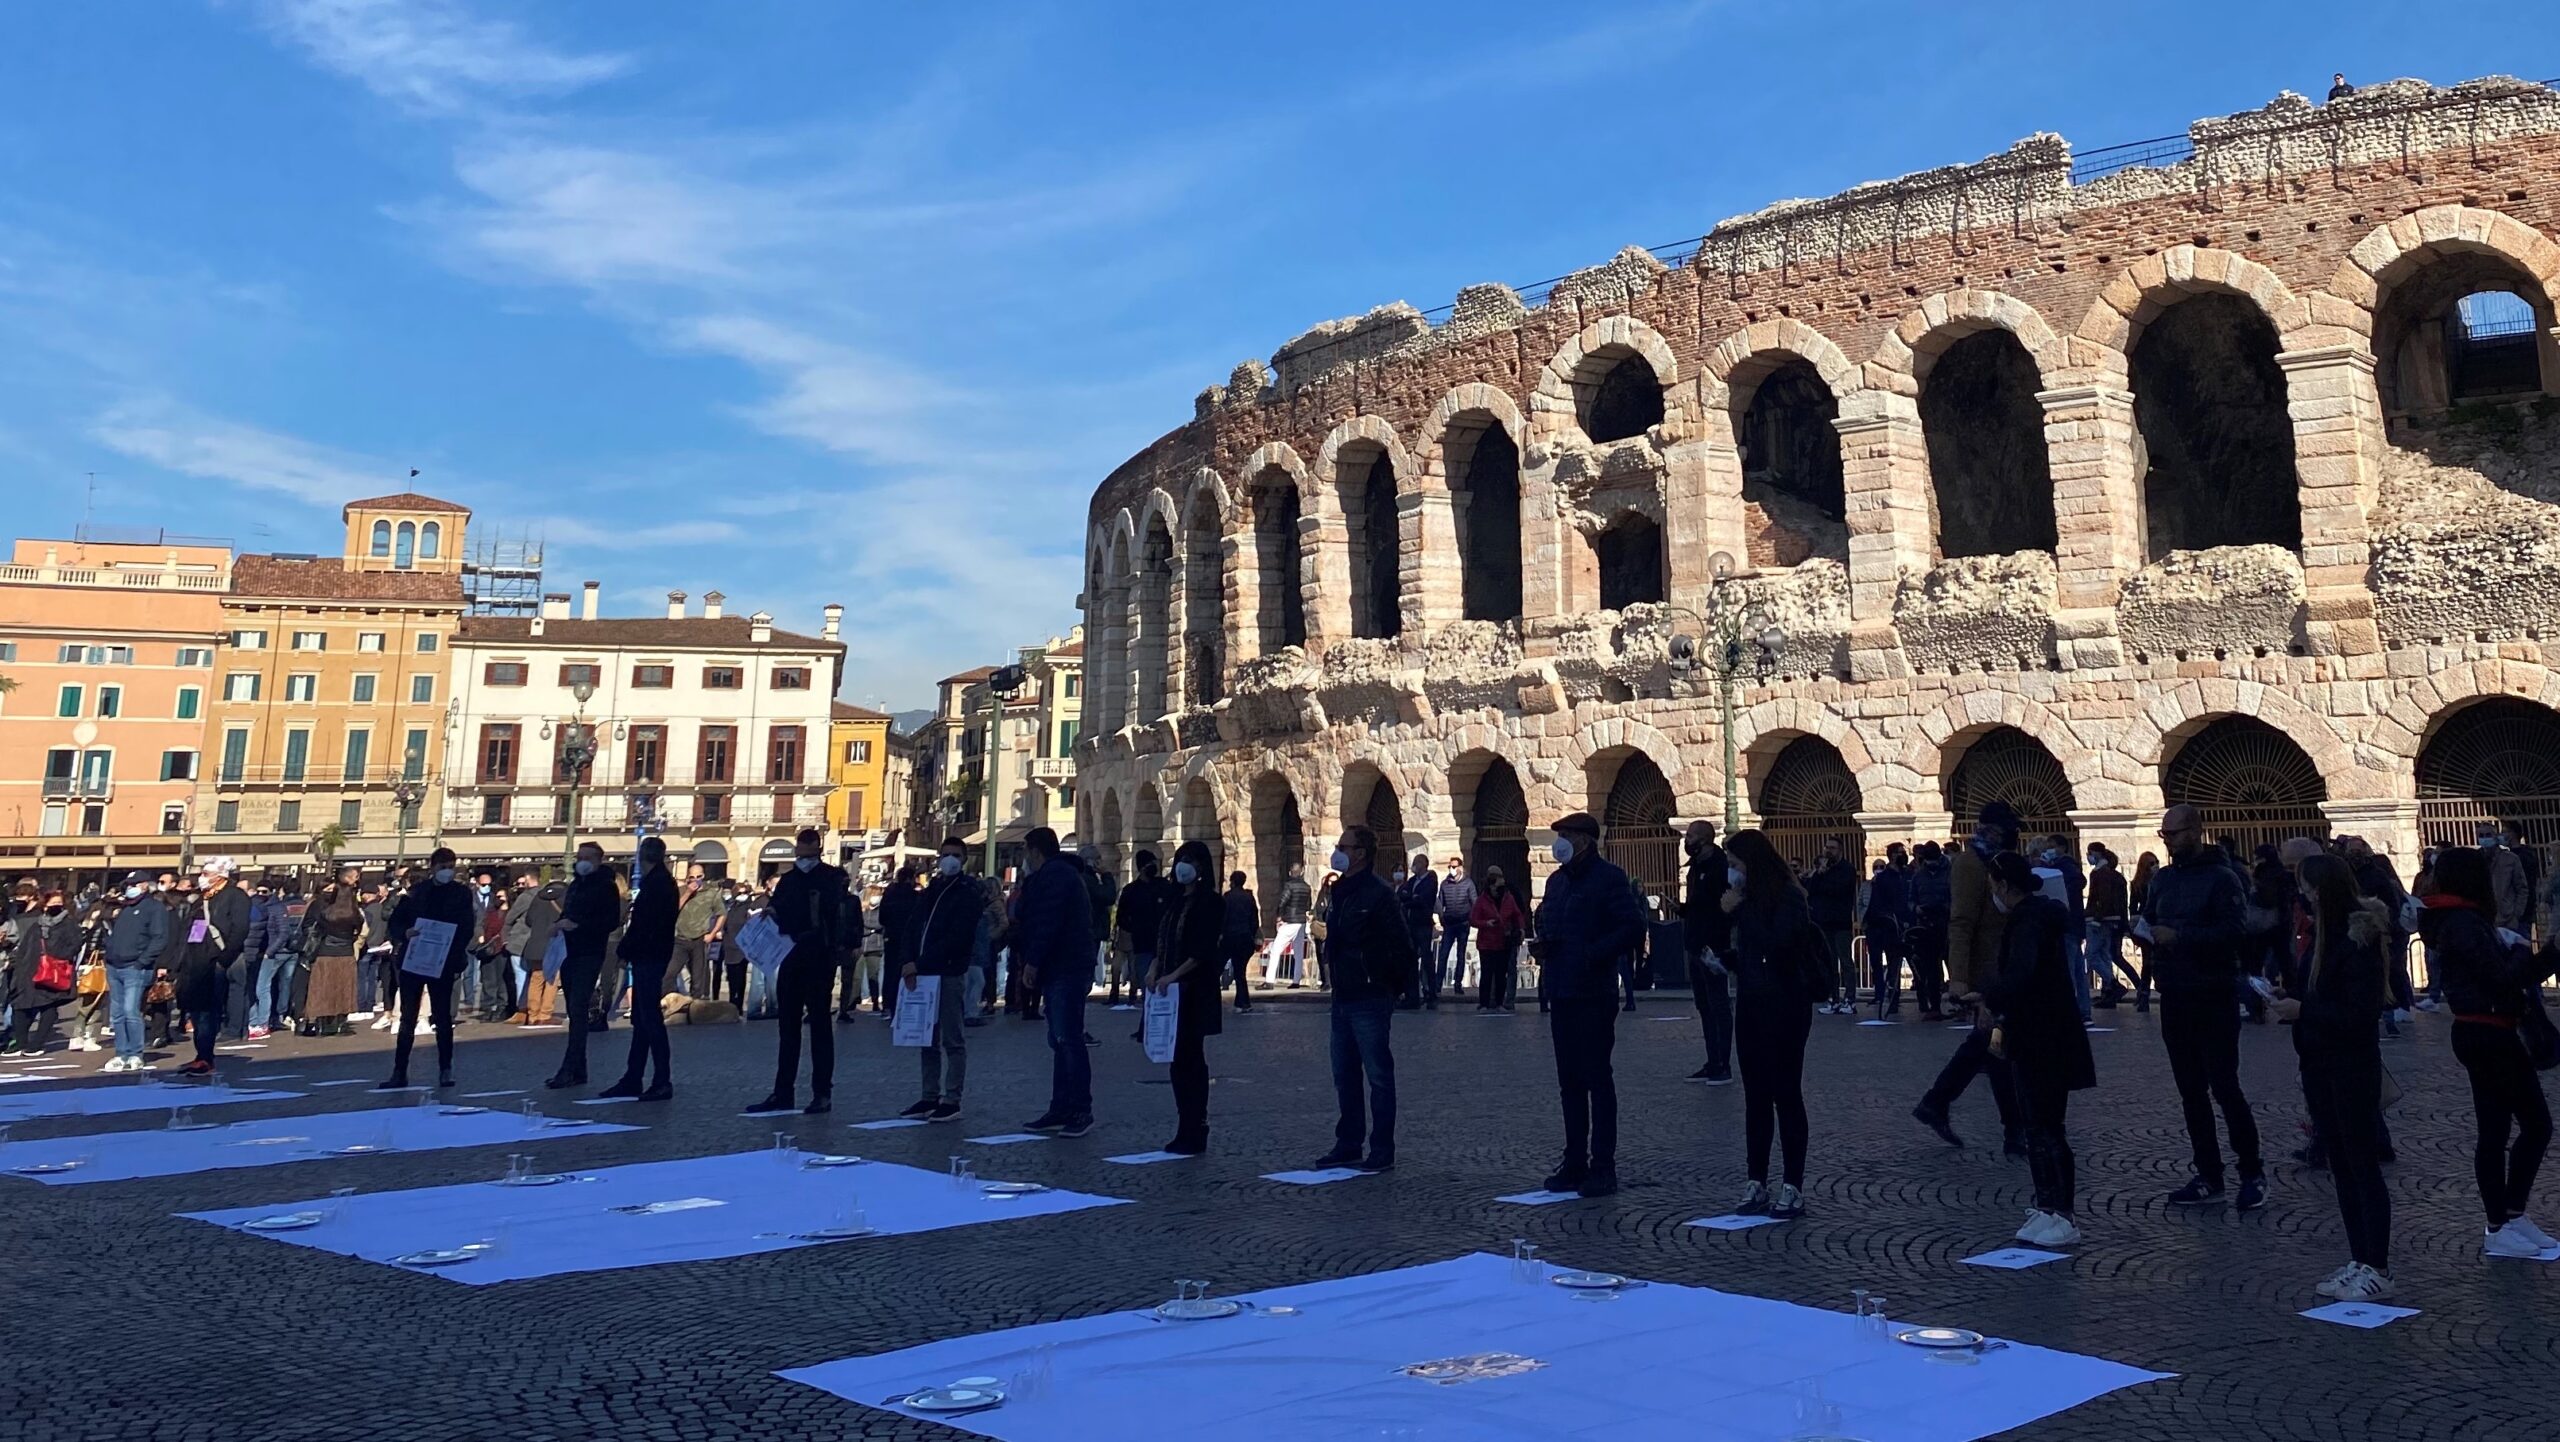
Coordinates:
(608, 813)
(91, 788)
(1053, 768)
(319, 775)
(529, 776)
(153, 579)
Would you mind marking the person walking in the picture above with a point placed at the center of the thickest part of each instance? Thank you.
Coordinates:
(807, 906)
(2345, 986)
(1831, 890)
(590, 910)
(1706, 930)
(1053, 944)
(2489, 983)
(698, 911)
(1187, 953)
(1456, 904)
(2039, 1032)
(1369, 960)
(1783, 968)
(2194, 916)
(2110, 904)
(2058, 857)
(1239, 935)
(1886, 923)
(2138, 896)
(1930, 895)
(441, 898)
(1974, 928)
(214, 938)
(1287, 958)
(1586, 922)
(137, 933)
(649, 947)
(1500, 928)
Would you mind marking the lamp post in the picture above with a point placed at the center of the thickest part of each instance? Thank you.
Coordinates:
(577, 752)
(1000, 688)
(405, 793)
(1727, 659)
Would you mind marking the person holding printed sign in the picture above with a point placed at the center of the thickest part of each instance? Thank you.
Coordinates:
(1187, 954)
(432, 925)
(946, 937)
(589, 911)
(808, 906)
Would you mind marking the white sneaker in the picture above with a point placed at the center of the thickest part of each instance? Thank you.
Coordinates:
(2536, 1235)
(2328, 1286)
(2510, 1241)
(82, 1043)
(2037, 1217)
(2359, 1283)
(2059, 1231)
(359, 1016)
(382, 1022)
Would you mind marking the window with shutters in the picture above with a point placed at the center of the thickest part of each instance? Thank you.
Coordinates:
(498, 753)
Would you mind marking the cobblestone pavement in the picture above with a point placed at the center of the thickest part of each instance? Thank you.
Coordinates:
(120, 1321)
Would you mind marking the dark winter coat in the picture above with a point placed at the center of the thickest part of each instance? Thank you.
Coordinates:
(2040, 1028)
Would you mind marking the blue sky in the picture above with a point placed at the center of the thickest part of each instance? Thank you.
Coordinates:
(833, 301)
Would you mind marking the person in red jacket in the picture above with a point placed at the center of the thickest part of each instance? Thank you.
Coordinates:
(1499, 925)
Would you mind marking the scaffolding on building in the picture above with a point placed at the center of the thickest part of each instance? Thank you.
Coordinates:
(503, 574)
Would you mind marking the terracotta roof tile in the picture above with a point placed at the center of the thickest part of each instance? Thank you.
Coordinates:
(847, 711)
(700, 633)
(966, 677)
(404, 501)
(326, 578)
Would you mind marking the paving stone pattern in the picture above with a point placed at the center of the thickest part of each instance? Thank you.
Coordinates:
(121, 1321)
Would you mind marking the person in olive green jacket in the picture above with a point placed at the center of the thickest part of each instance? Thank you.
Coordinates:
(697, 927)
(1974, 931)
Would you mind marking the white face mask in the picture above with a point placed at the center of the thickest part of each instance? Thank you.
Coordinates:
(1341, 860)
(585, 866)
(1999, 904)
(1185, 873)
(1562, 851)
(444, 875)
(134, 893)
(805, 863)
(1733, 877)
(949, 866)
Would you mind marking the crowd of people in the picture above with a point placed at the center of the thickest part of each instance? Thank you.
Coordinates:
(2013, 936)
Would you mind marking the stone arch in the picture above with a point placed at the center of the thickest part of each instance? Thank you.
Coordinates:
(1275, 834)
(2404, 275)
(1942, 733)
(2405, 728)
(2490, 760)
(1146, 819)
(1616, 736)
(1974, 362)
(1805, 792)
(1555, 408)
(1200, 822)
(1983, 764)
(1111, 834)
(1764, 729)
(1282, 457)
(1774, 391)
(1369, 797)
(1270, 588)
(1202, 582)
(1471, 456)
(2143, 290)
(2255, 784)
(1925, 332)
(1150, 610)
(2174, 714)
(1364, 472)
(1107, 625)
(1490, 804)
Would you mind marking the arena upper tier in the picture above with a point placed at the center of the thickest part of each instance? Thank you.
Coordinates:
(2231, 478)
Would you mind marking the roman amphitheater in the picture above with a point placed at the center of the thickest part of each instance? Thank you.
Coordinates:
(2223, 469)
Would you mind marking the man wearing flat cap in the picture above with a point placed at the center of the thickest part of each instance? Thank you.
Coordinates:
(1588, 919)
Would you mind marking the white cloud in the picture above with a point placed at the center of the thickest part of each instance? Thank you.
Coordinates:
(569, 531)
(431, 55)
(176, 439)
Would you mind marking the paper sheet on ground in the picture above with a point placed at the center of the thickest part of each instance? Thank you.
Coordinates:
(122, 1156)
(99, 1101)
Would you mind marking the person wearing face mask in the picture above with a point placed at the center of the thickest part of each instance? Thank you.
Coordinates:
(946, 939)
(1974, 927)
(211, 948)
(1587, 922)
(808, 906)
(2195, 913)
(648, 946)
(1500, 926)
(44, 949)
(137, 932)
(1187, 954)
(1053, 932)
(1418, 892)
(445, 898)
(1707, 934)
(2041, 1036)
(332, 924)
(589, 911)
(1141, 919)
(2109, 909)
(1370, 957)
(1456, 904)
(1782, 967)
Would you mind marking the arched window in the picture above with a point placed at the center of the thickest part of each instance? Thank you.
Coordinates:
(1625, 401)
(2209, 399)
(1631, 564)
(1368, 491)
(1635, 823)
(1485, 502)
(431, 540)
(1494, 829)
(1280, 602)
(1984, 431)
(1150, 625)
(1807, 796)
(1204, 608)
(2464, 325)
(382, 538)
(404, 553)
(2006, 764)
(2251, 782)
(1789, 442)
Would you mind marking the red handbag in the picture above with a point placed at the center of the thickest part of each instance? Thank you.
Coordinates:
(54, 973)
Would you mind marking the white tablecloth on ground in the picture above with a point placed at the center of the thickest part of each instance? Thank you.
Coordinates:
(1330, 1372)
(123, 1156)
(99, 1101)
(571, 1227)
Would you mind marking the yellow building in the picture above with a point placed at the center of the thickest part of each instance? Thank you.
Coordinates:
(328, 707)
(858, 765)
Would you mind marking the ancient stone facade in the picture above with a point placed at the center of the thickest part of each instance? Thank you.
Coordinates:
(2233, 480)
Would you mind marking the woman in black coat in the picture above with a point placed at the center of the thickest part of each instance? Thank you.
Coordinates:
(2344, 992)
(1187, 954)
(1781, 967)
(2487, 986)
(43, 929)
(213, 937)
(2041, 1034)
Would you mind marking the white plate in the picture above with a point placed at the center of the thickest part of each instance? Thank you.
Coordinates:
(460, 1111)
(955, 1399)
(1013, 1189)
(1589, 1281)
(536, 1179)
(557, 1122)
(1199, 1309)
(834, 1234)
(193, 1126)
(45, 1169)
(358, 1149)
(439, 1258)
(282, 1222)
(833, 1159)
(1939, 1337)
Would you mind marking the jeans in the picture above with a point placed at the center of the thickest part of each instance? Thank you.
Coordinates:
(273, 972)
(2075, 954)
(1928, 945)
(1884, 962)
(1843, 965)
(2104, 949)
(2506, 1097)
(2202, 1032)
(2344, 1094)
(1363, 1051)
(1240, 961)
(125, 986)
(1070, 1063)
(1770, 1039)
(1585, 1030)
(799, 988)
(1453, 939)
(945, 1060)
(2043, 1104)
(1710, 985)
(1973, 1056)
(648, 1024)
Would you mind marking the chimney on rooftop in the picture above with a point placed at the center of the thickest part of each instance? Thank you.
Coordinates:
(835, 621)
(711, 605)
(587, 609)
(675, 605)
(555, 605)
(760, 628)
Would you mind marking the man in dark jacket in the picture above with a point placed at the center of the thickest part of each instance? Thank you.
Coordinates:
(590, 910)
(947, 917)
(1831, 888)
(1887, 922)
(1974, 929)
(137, 933)
(1239, 933)
(2193, 919)
(808, 906)
(1287, 958)
(1419, 896)
(1142, 908)
(1370, 955)
(266, 965)
(1053, 950)
(1587, 922)
(213, 940)
(1930, 895)
(442, 898)
(648, 947)
(1706, 931)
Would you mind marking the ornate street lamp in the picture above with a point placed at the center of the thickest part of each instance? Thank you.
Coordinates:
(577, 751)
(1728, 656)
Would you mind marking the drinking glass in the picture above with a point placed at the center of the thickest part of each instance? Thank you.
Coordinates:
(1524, 1261)
(532, 1115)
(181, 1118)
(786, 1149)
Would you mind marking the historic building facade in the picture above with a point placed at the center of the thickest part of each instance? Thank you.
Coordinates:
(2230, 477)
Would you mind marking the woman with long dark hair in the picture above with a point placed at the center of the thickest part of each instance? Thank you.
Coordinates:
(2344, 992)
(2041, 1035)
(1781, 967)
(2145, 867)
(1187, 953)
(2487, 986)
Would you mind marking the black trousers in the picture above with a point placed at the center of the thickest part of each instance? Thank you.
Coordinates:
(1190, 1078)
(1585, 1030)
(801, 987)
(693, 962)
(1713, 992)
(1928, 946)
(577, 993)
(1973, 1057)
(737, 980)
(439, 991)
(2343, 1091)
(2202, 1033)
(648, 1023)
(1499, 976)
(2506, 1098)
(1769, 1040)
(1885, 955)
(1241, 961)
(2043, 1104)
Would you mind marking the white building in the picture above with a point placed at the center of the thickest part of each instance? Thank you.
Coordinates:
(1034, 777)
(709, 729)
